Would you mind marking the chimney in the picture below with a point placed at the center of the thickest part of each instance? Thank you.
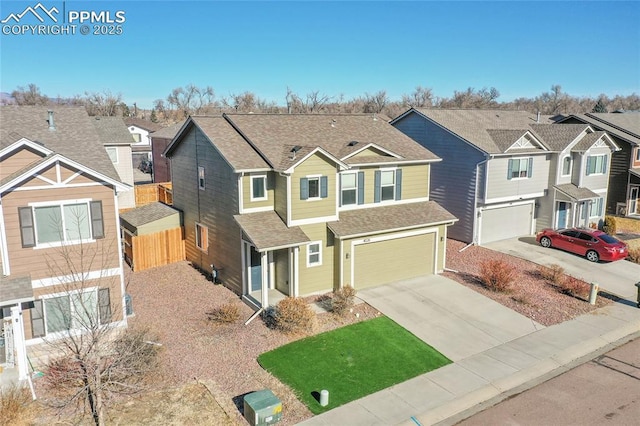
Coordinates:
(52, 124)
(538, 117)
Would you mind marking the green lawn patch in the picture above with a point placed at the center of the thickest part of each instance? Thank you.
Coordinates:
(351, 362)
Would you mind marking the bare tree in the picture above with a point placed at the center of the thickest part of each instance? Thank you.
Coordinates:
(375, 102)
(190, 99)
(92, 360)
(29, 96)
(104, 104)
(420, 97)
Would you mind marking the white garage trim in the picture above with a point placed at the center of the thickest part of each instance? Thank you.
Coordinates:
(531, 203)
(355, 243)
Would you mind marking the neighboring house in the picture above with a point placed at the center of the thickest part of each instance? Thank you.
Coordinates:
(117, 142)
(140, 130)
(58, 209)
(277, 205)
(160, 140)
(624, 177)
(506, 174)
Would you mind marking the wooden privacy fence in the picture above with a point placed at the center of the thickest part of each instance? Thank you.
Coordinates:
(148, 251)
(152, 192)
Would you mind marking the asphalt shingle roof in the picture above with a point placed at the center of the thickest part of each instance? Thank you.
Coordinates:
(557, 138)
(112, 131)
(167, 132)
(147, 125)
(575, 192)
(624, 125)
(75, 136)
(15, 289)
(267, 231)
(587, 141)
(147, 214)
(387, 218)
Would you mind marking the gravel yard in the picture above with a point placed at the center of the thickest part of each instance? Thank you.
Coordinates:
(531, 296)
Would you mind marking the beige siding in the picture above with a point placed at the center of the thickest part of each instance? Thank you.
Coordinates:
(317, 164)
(415, 181)
(246, 191)
(280, 195)
(17, 160)
(163, 224)
(500, 187)
(317, 278)
(24, 261)
(212, 207)
(281, 260)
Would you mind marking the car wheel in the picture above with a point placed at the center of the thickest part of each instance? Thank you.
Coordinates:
(545, 242)
(593, 256)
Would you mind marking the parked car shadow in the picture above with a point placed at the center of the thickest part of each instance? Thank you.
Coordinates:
(528, 240)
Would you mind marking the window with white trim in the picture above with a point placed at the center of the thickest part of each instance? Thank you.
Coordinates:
(113, 154)
(387, 185)
(69, 222)
(596, 164)
(566, 166)
(314, 253)
(314, 187)
(349, 188)
(637, 154)
(202, 239)
(201, 182)
(596, 207)
(520, 168)
(258, 188)
(137, 137)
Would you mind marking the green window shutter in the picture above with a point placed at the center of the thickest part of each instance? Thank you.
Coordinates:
(510, 169)
(604, 164)
(27, 230)
(376, 187)
(324, 187)
(398, 184)
(97, 221)
(104, 305)
(360, 187)
(304, 188)
(530, 168)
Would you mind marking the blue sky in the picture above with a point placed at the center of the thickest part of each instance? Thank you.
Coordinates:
(348, 48)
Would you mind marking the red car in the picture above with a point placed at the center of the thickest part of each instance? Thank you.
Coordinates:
(593, 244)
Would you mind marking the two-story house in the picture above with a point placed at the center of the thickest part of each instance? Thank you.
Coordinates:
(506, 173)
(160, 140)
(624, 177)
(140, 130)
(60, 249)
(294, 205)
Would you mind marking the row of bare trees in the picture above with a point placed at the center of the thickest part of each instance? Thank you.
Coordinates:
(194, 100)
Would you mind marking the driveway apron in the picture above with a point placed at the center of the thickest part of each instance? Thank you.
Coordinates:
(452, 318)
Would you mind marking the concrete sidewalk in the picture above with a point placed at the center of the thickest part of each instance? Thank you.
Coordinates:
(453, 392)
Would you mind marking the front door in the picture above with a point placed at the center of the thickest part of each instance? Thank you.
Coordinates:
(633, 200)
(562, 215)
(255, 269)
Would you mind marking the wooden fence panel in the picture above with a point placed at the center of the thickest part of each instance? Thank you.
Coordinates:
(157, 249)
(152, 192)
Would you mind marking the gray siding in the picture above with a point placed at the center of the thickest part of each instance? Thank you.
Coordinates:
(501, 187)
(596, 182)
(453, 180)
(618, 176)
(213, 207)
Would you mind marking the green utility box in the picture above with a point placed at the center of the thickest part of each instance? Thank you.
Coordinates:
(262, 408)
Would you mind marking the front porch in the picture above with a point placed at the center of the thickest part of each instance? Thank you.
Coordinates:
(576, 207)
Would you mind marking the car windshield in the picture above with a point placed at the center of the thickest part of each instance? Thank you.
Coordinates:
(609, 239)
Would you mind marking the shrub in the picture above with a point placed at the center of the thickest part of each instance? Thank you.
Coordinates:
(343, 300)
(294, 315)
(15, 406)
(496, 275)
(609, 225)
(225, 314)
(575, 287)
(634, 255)
(553, 273)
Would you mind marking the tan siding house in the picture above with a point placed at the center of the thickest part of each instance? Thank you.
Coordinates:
(59, 237)
(294, 205)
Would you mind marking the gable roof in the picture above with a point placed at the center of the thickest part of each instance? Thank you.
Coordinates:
(112, 131)
(147, 125)
(625, 125)
(270, 134)
(558, 138)
(167, 132)
(75, 137)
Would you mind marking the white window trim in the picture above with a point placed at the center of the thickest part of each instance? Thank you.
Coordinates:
(604, 165)
(350, 172)
(562, 166)
(637, 156)
(594, 201)
(319, 262)
(71, 331)
(528, 171)
(318, 178)
(393, 170)
(198, 224)
(264, 177)
(61, 203)
(115, 151)
(204, 182)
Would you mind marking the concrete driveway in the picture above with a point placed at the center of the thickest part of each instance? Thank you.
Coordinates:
(452, 318)
(615, 277)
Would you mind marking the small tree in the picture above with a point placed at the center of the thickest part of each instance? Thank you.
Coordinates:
(599, 106)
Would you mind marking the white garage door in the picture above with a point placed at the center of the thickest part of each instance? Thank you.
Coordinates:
(505, 222)
(398, 259)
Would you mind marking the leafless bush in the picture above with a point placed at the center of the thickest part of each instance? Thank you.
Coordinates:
(342, 300)
(496, 275)
(225, 314)
(634, 255)
(293, 315)
(554, 273)
(574, 287)
(16, 407)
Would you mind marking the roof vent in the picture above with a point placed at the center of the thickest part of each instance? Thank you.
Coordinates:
(52, 124)
(294, 150)
(352, 143)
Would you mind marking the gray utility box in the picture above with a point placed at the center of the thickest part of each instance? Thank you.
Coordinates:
(262, 408)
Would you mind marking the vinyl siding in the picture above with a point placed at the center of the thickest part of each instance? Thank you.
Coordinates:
(17, 160)
(453, 180)
(246, 191)
(161, 165)
(124, 167)
(280, 196)
(500, 187)
(159, 225)
(317, 278)
(619, 175)
(415, 181)
(596, 182)
(213, 207)
(308, 209)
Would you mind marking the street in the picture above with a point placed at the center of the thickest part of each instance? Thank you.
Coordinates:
(605, 390)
